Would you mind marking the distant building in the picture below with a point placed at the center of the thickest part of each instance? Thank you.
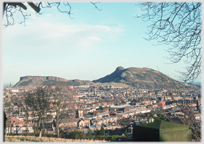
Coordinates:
(79, 113)
(161, 103)
(83, 123)
(17, 126)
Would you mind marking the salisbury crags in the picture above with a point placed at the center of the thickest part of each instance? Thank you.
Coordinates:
(43, 78)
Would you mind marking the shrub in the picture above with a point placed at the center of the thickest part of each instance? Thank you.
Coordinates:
(22, 139)
(89, 133)
(77, 135)
(125, 133)
(115, 137)
(102, 131)
(96, 133)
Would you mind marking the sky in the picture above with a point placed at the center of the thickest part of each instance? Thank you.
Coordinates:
(89, 45)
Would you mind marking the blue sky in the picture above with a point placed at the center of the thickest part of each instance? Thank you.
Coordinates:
(89, 46)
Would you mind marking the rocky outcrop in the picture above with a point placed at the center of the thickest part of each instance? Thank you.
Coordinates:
(43, 78)
(141, 78)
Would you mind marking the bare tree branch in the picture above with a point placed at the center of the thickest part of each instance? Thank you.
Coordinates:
(11, 8)
(95, 5)
(36, 8)
(177, 24)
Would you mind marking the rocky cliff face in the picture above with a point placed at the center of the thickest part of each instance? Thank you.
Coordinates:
(43, 78)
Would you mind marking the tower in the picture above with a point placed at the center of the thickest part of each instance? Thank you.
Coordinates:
(94, 91)
(79, 113)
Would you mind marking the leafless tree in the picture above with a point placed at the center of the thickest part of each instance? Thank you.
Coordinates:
(177, 24)
(124, 121)
(95, 5)
(60, 94)
(25, 104)
(5, 131)
(10, 9)
(38, 100)
(189, 118)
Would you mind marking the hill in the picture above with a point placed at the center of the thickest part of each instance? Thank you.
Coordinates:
(142, 78)
(42, 80)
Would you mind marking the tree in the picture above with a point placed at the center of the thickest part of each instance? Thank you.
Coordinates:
(5, 119)
(60, 94)
(96, 131)
(100, 108)
(124, 122)
(89, 133)
(102, 131)
(38, 101)
(177, 24)
(114, 137)
(125, 133)
(11, 8)
(49, 117)
(189, 117)
(151, 115)
(77, 135)
(161, 116)
(24, 103)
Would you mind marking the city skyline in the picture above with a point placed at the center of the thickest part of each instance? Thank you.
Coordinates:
(89, 46)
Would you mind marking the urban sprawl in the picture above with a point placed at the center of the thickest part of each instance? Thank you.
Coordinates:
(90, 107)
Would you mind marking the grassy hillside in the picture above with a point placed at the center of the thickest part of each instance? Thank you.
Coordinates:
(142, 78)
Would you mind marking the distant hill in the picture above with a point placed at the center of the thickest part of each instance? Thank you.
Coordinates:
(42, 80)
(145, 78)
(142, 78)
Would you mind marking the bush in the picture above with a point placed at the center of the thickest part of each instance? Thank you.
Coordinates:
(22, 139)
(115, 137)
(96, 131)
(102, 131)
(125, 133)
(77, 135)
(161, 116)
(89, 133)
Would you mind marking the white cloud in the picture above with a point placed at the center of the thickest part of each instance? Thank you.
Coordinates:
(38, 34)
(46, 45)
(94, 38)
